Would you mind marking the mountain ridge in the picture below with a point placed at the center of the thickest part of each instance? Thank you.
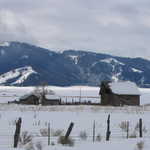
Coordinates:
(70, 67)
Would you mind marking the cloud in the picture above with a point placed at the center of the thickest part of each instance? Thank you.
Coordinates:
(11, 28)
(116, 27)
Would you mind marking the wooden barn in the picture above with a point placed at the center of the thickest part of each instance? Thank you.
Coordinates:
(119, 93)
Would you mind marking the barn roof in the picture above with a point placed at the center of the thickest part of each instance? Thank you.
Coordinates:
(124, 88)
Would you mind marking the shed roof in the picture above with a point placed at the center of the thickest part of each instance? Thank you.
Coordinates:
(27, 95)
(124, 88)
(51, 97)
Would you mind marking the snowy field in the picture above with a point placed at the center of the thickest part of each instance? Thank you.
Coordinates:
(35, 119)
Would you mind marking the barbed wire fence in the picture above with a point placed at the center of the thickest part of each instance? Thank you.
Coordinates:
(97, 133)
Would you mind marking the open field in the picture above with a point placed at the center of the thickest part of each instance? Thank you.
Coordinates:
(36, 118)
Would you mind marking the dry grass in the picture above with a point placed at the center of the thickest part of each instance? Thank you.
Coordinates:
(83, 135)
(98, 138)
(133, 135)
(124, 126)
(44, 132)
(57, 132)
(140, 145)
(25, 138)
(62, 140)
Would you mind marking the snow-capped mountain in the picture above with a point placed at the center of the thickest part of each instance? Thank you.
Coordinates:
(25, 64)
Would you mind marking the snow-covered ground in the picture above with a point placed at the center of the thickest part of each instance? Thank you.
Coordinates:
(36, 118)
(122, 144)
(65, 93)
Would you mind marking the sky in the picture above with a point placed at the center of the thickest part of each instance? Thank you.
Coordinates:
(118, 27)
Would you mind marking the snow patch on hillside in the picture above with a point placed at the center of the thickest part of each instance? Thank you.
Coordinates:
(74, 58)
(23, 73)
(5, 44)
(136, 70)
(115, 77)
(112, 61)
(25, 57)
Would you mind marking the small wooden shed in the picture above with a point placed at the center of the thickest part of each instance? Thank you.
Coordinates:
(119, 93)
(31, 99)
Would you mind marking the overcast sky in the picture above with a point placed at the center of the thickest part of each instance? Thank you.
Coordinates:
(119, 27)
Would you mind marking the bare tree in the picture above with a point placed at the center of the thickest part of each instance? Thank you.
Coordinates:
(41, 91)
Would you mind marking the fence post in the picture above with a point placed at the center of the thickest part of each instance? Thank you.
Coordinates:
(94, 131)
(127, 129)
(17, 132)
(69, 130)
(108, 128)
(48, 133)
(140, 128)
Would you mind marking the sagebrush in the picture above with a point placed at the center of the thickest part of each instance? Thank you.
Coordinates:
(66, 141)
(83, 135)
